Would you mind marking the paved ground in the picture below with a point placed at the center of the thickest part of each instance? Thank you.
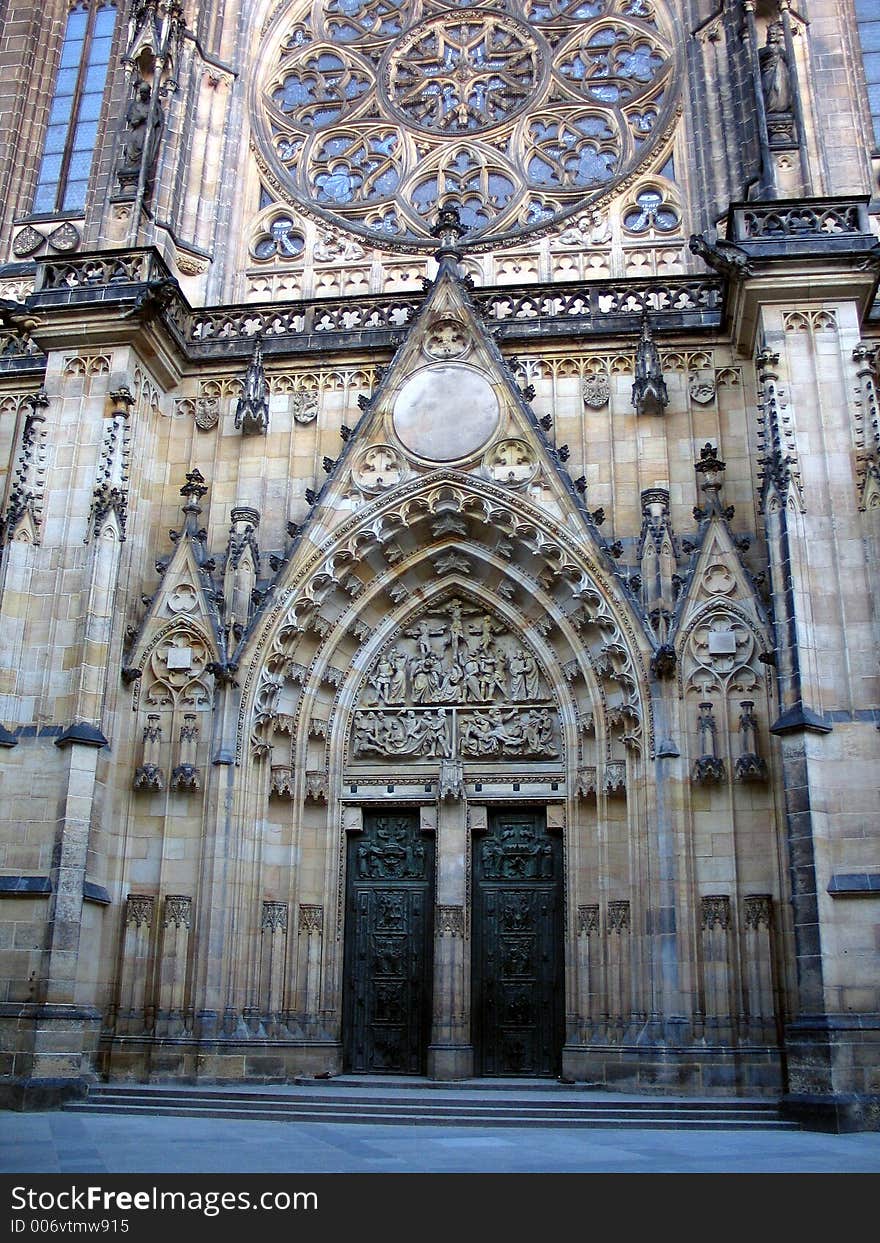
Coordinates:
(53, 1143)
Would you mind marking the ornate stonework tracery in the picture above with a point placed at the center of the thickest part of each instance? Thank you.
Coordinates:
(374, 111)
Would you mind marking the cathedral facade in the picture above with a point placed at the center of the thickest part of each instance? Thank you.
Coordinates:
(439, 590)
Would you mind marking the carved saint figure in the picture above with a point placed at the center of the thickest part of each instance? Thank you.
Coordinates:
(491, 664)
(390, 914)
(472, 678)
(457, 642)
(436, 734)
(775, 70)
(397, 682)
(426, 677)
(330, 249)
(515, 912)
(143, 131)
(524, 675)
(382, 678)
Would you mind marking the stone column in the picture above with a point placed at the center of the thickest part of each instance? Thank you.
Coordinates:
(134, 996)
(173, 958)
(759, 969)
(214, 918)
(618, 968)
(450, 1053)
(589, 967)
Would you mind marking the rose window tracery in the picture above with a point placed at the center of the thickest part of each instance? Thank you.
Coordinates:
(369, 113)
(463, 75)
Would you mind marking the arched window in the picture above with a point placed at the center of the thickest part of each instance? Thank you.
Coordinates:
(868, 18)
(76, 107)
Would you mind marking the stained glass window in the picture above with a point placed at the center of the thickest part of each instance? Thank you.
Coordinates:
(369, 113)
(868, 18)
(75, 110)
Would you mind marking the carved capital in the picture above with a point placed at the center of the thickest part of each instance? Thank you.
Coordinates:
(139, 909)
(588, 919)
(617, 916)
(715, 912)
(311, 918)
(758, 910)
(450, 921)
(274, 917)
(177, 911)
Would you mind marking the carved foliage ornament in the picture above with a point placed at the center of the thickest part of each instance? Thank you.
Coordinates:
(139, 909)
(373, 113)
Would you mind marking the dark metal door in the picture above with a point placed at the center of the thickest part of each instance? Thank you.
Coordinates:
(388, 946)
(517, 946)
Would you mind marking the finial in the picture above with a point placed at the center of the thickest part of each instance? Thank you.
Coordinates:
(649, 395)
(448, 230)
(252, 409)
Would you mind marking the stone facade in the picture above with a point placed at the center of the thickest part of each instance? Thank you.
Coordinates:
(305, 521)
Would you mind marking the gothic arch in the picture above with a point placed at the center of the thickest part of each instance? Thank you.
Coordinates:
(441, 525)
(336, 608)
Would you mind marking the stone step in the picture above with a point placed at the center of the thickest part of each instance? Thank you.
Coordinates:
(412, 1100)
(402, 1109)
(438, 1118)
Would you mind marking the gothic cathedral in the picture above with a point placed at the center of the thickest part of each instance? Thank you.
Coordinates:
(439, 580)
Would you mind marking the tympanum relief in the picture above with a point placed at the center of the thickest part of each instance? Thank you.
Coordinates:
(455, 683)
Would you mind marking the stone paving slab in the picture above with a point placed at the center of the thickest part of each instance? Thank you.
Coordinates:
(95, 1143)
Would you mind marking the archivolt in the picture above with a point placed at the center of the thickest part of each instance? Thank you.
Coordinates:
(340, 602)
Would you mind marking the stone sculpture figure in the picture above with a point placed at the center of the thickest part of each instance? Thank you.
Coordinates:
(775, 70)
(397, 677)
(143, 132)
(524, 676)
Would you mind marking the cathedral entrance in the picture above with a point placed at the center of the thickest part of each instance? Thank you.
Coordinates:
(388, 946)
(517, 993)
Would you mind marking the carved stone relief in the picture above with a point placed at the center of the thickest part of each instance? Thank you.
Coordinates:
(378, 467)
(596, 391)
(512, 462)
(722, 648)
(446, 338)
(177, 671)
(207, 413)
(455, 682)
(304, 405)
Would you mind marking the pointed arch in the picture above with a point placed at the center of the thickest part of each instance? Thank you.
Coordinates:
(442, 525)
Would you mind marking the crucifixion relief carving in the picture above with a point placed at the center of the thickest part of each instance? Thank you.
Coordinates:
(456, 682)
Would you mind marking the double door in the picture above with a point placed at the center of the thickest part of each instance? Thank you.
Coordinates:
(516, 964)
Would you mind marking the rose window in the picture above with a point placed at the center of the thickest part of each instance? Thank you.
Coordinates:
(454, 77)
(370, 113)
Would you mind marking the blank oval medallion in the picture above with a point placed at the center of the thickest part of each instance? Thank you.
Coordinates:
(445, 412)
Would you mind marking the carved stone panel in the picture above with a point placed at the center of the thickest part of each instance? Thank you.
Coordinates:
(455, 683)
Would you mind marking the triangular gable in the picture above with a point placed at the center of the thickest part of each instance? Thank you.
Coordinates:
(448, 400)
(716, 576)
(185, 598)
